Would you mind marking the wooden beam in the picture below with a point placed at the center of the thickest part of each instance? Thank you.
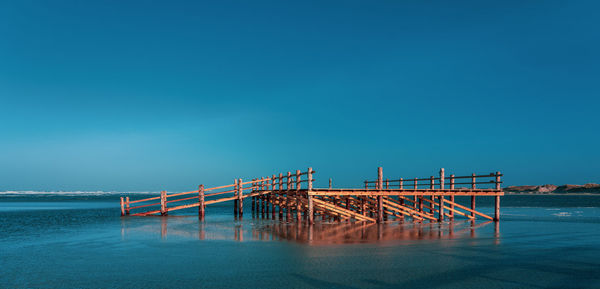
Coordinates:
(396, 192)
(473, 212)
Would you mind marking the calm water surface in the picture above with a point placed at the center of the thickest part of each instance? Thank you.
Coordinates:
(82, 242)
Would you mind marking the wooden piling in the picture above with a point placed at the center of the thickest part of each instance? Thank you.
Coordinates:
(272, 199)
(379, 197)
(401, 200)
(363, 202)
(497, 199)
(473, 187)
(235, 201)
(288, 197)
(452, 198)
(201, 206)
(240, 199)
(126, 205)
(298, 197)
(254, 190)
(431, 187)
(311, 217)
(163, 203)
(280, 196)
(441, 197)
(122, 207)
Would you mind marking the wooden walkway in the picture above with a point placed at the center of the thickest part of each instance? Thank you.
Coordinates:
(292, 196)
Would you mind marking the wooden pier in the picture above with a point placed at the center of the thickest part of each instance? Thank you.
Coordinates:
(292, 197)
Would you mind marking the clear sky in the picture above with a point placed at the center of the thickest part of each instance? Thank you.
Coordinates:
(152, 95)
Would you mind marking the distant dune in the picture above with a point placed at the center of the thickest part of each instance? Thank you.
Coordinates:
(554, 189)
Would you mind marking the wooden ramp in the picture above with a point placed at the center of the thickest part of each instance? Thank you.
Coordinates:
(291, 196)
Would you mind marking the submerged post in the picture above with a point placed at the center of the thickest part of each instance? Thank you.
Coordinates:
(272, 197)
(280, 196)
(497, 201)
(201, 205)
(254, 190)
(452, 198)
(298, 203)
(122, 207)
(379, 197)
(288, 197)
(473, 187)
(163, 203)
(311, 217)
(240, 199)
(441, 197)
(235, 200)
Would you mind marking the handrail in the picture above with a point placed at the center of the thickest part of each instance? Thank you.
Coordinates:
(437, 178)
(144, 200)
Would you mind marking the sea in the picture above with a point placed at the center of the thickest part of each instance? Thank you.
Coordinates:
(80, 240)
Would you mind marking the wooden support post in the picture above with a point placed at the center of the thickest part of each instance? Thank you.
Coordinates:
(329, 183)
(163, 203)
(265, 187)
(440, 209)
(441, 197)
(122, 207)
(401, 200)
(311, 217)
(254, 190)
(235, 200)
(416, 186)
(431, 187)
(442, 178)
(272, 199)
(261, 207)
(298, 197)
(497, 201)
(473, 187)
(280, 196)
(387, 186)
(452, 198)
(363, 202)
(288, 197)
(201, 205)
(240, 199)
(379, 198)
(126, 205)
(379, 178)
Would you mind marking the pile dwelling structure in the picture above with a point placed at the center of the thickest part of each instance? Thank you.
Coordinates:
(293, 197)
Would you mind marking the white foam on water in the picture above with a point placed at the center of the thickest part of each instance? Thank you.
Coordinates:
(71, 193)
(562, 214)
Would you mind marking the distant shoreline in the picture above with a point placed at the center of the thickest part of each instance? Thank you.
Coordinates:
(551, 194)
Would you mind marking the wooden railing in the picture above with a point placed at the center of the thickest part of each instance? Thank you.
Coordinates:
(440, 182)
(236, 192)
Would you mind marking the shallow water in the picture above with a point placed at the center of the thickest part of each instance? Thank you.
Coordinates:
(81, 241)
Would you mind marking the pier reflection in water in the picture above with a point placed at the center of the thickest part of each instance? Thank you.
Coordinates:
(321, 233)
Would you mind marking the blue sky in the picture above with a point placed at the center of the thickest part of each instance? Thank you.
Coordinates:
(151, 95)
